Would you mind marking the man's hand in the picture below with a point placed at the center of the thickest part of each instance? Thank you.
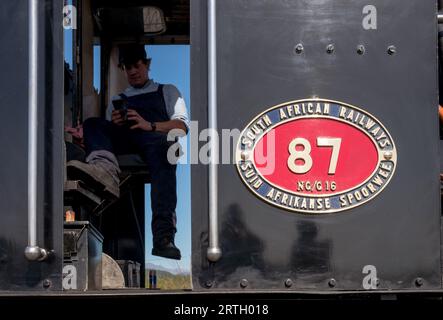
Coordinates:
(140, 122)
(76, 132)
(117, 118)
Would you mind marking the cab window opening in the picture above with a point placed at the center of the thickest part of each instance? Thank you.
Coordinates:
(111, 83)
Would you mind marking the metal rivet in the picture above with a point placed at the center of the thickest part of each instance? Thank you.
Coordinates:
(392, 50)
(47, 283)
(419, 282)
(388, 155)
(244, 155)
(330, 48)
(288, 283)
(243, 283)
(332, 283)
(361, 49)
(208, 283)
(298, 48)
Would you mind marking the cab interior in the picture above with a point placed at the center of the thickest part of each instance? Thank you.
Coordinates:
(92, 77)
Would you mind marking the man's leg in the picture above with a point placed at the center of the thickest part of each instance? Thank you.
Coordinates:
(163, 195)
(102, 167)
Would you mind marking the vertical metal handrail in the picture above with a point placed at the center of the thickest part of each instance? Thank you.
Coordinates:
(214, 251)
(33, 252)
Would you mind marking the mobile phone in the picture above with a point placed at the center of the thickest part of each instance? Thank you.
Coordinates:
(122, 106)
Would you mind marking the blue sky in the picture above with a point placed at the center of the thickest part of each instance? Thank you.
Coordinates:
(170, 64)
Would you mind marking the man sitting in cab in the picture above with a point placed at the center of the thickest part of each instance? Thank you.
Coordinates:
(138, 121)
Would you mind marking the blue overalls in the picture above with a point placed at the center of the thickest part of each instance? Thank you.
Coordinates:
(100, 134)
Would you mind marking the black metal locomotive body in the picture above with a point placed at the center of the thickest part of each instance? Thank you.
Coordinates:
(258, 55)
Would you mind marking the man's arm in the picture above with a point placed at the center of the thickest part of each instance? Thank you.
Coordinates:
(164, 126)
(176, 107)
(167, 126)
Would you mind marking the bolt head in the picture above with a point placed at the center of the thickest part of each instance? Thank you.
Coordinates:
(332, 283)
(288, 283)
(208, 283)
(244, 155)
(243, 283)
(47, 283)
(419, 282)
(330, 48)
(392, 50)
(360, 49)
(298, 48)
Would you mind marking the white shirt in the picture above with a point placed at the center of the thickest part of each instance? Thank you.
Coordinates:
(175, 104)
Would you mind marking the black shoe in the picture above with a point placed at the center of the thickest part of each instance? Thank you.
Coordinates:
(166, 249)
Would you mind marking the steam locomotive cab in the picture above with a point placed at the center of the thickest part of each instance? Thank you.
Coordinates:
(314, 146)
